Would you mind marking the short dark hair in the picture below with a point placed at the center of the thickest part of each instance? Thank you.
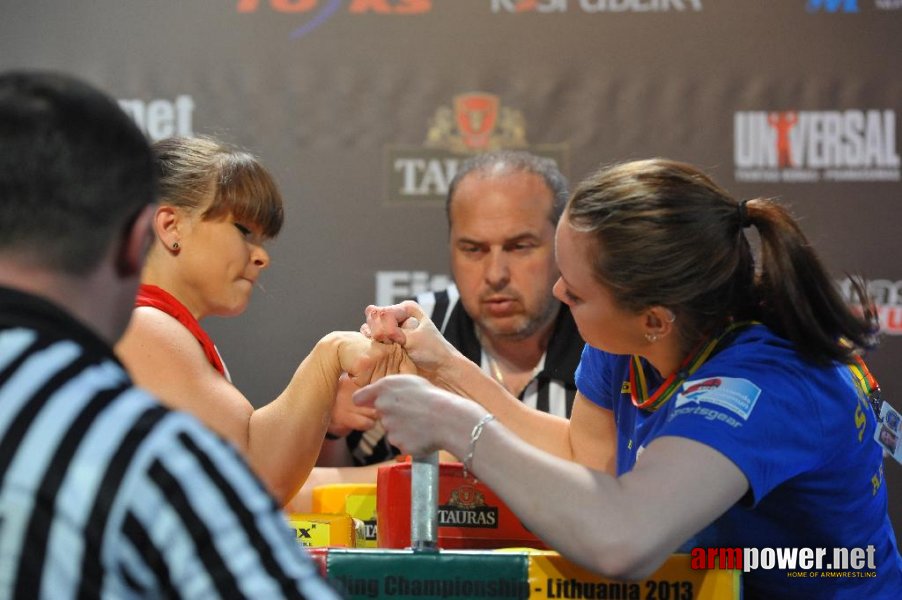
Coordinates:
(191, 169)
(74, 169)
(502, 162)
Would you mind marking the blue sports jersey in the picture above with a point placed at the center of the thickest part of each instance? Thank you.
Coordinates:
(801, 434)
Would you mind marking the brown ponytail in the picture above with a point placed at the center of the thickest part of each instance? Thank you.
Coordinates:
(667, 235)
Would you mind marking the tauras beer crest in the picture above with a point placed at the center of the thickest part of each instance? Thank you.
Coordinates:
(475, 122)
(466, 507)
(476, 116)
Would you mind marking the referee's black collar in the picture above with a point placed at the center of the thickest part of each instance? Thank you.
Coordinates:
(22, 309)
(561, 357)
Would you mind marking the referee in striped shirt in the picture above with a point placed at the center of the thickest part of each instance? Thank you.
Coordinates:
(103, 492)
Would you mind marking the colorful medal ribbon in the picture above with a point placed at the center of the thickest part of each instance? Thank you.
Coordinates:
(866, 383)
(639, 385)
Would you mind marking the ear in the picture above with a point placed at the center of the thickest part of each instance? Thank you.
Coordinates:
(136, 240)
(166, 224)
(659, 321)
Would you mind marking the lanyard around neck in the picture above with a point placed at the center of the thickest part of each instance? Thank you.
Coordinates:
(866, 383)
(639, 384)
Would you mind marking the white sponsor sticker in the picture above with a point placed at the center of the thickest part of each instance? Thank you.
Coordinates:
(736, 395)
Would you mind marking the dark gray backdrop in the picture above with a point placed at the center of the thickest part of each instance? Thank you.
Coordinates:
(362, 108)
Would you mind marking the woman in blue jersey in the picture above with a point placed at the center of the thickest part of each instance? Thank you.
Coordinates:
(722, 399)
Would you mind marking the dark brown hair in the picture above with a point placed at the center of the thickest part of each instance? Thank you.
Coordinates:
(190, 168)
(667, 235)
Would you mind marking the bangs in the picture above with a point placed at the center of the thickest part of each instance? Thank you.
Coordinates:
(248, 193)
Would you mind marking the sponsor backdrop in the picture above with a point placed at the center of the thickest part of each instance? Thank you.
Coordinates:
(363, 110)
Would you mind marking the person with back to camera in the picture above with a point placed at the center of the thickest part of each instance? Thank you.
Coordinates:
(716, 404)
(218, 207)
(103, 492)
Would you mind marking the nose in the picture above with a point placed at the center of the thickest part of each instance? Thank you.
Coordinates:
(497, 269)
(558, 290)
(260, 256)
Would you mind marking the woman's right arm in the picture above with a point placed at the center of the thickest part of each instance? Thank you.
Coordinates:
(163, 357)
(280, 440)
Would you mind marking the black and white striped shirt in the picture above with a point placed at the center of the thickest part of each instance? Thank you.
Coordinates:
(105, 493)
(551, 390)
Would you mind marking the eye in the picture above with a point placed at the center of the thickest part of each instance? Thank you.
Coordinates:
(571, 297)
(520, 245)
(244, 230)
(470, 249)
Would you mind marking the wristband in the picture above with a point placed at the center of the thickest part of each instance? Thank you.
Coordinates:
(474, 437)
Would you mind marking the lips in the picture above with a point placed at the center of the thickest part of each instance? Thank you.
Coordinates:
(499, 306)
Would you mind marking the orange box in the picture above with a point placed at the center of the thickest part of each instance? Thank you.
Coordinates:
(355, 499)
(470, 515)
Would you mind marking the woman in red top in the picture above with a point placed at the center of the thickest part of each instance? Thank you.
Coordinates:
(218, 207)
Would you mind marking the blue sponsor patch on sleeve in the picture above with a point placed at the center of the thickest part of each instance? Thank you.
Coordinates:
(736, 395)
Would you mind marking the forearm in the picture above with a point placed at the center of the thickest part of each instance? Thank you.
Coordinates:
(582, 513)
(540, 429)
(623, 527)
(285, 436)
(335, 453)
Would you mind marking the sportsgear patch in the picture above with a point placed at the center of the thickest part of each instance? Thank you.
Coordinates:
(736, 395)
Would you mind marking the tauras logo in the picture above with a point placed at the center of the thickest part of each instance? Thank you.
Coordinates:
(467, 508)
(594, 6)
(369, 530)
(475, 122)
(808, 146)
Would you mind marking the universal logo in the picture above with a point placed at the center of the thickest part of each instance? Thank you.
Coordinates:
(810, 146)
(475, 122)
(467, 508)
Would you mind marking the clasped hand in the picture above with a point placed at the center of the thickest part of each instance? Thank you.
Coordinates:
(409, 407)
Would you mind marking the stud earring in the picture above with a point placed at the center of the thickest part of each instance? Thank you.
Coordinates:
(651, 337)
(175, 245)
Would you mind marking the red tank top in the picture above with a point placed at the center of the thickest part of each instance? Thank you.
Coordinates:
(156, 297)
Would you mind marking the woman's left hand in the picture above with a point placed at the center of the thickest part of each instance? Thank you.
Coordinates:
(419, 417)
(347, 416)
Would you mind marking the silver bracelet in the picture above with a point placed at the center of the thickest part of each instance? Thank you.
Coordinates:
(474, 437)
